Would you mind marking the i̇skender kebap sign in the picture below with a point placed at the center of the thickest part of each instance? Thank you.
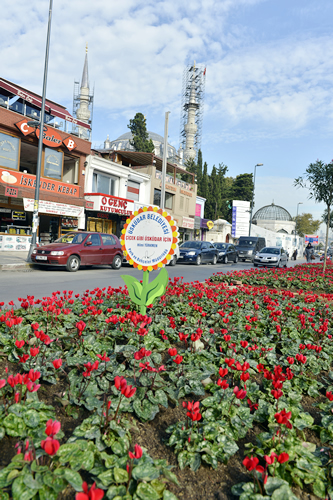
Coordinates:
(149, 238)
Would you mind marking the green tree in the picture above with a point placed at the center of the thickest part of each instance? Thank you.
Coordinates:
(305, 224)
(199, 171)
(213, 201)
(140, 140)
(325, 218)
(204, 182)
(318, 178)
(242, 188)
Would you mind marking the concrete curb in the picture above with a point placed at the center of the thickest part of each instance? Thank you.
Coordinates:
(18, 266)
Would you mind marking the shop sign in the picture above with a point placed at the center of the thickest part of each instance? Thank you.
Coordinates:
(187, 193)
(188, 223)
(5, 210)
(18, 215)
(50, 207)
(110, 204)
(149, 238)
(69, 223)
(90, 204)
(210, 224)
(9, 191)
(207, 224)
(197, 221)
(51, 137)
(20, 179)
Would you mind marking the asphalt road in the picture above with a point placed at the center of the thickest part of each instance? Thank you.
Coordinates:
(41, 282)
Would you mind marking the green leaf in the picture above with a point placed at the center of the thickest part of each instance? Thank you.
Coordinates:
(157, 287)
(2, 432)
(106, 478)
(46, 493)
(134, 288)
(170, 476)
(20, 490)
(145, 410)
(31, 418)
(14, 426)
(56, 483)
(167, 495)
(31, 483)
(273, 483)
(158, 486)
(146, 492)
(74, 479)
(283, 493)
(145, 472)
(120, 475)
(159, 398)
(319, 488)
(5, 496)
(116, 491)
(237, 489)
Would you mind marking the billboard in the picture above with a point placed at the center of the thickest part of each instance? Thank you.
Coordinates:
(240, 218)
(311, 238)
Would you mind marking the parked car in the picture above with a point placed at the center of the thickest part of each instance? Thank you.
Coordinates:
(329, 257)
(248, 246)
(227, 252)
(198, 252)
(271, 256)
(77, 249)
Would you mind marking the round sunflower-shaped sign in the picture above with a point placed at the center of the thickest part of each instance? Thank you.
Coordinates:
(149, 238)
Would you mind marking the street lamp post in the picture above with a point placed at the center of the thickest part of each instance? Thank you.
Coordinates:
(299, 203)
(254, 184)
(40, 140)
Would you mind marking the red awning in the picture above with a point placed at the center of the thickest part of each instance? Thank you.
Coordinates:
(50, 106)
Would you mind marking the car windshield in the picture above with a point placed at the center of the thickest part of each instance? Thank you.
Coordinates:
(247, 242)
(220, 246)
(191, 244)
(274, 251)
(74, 238)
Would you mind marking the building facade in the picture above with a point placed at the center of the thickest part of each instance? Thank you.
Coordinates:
(61, 206)
(112, 192)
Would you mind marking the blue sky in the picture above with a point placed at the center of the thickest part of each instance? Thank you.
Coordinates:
(268, 84)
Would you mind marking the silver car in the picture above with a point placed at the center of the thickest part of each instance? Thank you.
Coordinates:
(271, 256)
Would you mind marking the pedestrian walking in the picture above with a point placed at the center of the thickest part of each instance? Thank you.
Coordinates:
(308, 252)
(295, 254)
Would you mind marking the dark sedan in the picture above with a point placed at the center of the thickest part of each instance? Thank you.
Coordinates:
(80, 248)
(227, 253)
(197, 252)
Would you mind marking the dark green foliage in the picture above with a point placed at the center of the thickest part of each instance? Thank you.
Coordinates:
(140, 141)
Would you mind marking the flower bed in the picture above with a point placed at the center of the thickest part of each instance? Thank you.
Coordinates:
(215, 385)
(303, 277)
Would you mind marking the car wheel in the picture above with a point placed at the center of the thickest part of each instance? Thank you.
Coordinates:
(214, 260)
(225, 260)
(173, 261)
(73, 263)
(198, 260)
(117, 261)
(236, 259)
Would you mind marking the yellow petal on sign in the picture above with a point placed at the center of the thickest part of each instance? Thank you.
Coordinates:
(139, 267)
(149, 268)
(173, 246)
(155, 209)
(165, 214)
(168, 257)
(131, 262)
(145, 209)
(128, 221)
(123, 231)
(175, 234)
(172, 223)
(136, 213)
(122, 242)
(160, 264)
(125, 252)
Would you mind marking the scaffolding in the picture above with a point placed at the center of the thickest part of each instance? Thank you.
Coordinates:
(192, 74)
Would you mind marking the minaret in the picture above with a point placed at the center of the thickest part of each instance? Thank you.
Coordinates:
(83, 111)
(191, 127)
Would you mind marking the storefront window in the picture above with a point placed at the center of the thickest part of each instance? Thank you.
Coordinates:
(9, 151)
(53, 164)
(103, 184)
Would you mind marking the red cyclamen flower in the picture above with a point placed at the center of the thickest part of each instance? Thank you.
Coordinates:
(57, 363)
(52, 428)
(250, 463)
(92, 494)
(50, 446)
(137, 452)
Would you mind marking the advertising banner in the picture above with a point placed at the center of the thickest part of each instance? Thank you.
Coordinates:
(311, 238)
(111, 204)
(240, 218)
(50, 207)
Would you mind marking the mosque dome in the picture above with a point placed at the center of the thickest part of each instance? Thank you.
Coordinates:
(272, 212)
(123, 144)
